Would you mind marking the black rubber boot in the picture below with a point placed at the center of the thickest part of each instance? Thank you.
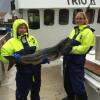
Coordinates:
(65, 98)
(81, 97)
(68, 98)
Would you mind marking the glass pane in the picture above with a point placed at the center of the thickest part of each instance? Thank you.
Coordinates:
(63, 16)
(34, 19)
(89, 13)
(49, 17)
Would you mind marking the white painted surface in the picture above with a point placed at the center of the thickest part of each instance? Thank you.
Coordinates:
(55, 3)
(95, 84)
(48, 36)
(91, 57)
(92, 88)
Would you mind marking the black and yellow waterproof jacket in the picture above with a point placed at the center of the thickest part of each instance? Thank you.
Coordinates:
(16, 45)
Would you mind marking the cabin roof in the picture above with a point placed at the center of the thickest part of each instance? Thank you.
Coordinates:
(32, 4)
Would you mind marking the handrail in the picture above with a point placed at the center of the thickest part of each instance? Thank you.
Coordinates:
(93, 82)
(3, 39)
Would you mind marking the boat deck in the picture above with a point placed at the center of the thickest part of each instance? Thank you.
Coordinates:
(51, 87)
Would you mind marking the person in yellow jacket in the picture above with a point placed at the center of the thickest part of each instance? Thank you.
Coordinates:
(73, 63)
(22, 43)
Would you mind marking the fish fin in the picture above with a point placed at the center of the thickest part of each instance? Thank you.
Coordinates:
(11, 61)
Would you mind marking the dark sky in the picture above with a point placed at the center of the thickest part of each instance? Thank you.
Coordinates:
(5, 5)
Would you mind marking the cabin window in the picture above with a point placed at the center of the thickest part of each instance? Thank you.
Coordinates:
(48, 17)
(63, 16)
(34, 19)
(98, 20)
(74, 14)
(90, 15)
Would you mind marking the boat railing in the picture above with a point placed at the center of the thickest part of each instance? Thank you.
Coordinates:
(3, 39)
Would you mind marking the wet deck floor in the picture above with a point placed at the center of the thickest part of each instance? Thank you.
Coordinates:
(51, 89)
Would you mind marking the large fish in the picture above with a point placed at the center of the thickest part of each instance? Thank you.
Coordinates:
(52, 53)
(12, 61)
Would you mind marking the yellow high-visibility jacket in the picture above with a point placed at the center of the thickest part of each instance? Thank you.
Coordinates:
(86, 37)
(14, 44)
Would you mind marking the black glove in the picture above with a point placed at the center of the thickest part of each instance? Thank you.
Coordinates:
(45, 61)
(67, 50)
(75, 43)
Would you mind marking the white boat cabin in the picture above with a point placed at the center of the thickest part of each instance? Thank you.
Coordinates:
(52, 20)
